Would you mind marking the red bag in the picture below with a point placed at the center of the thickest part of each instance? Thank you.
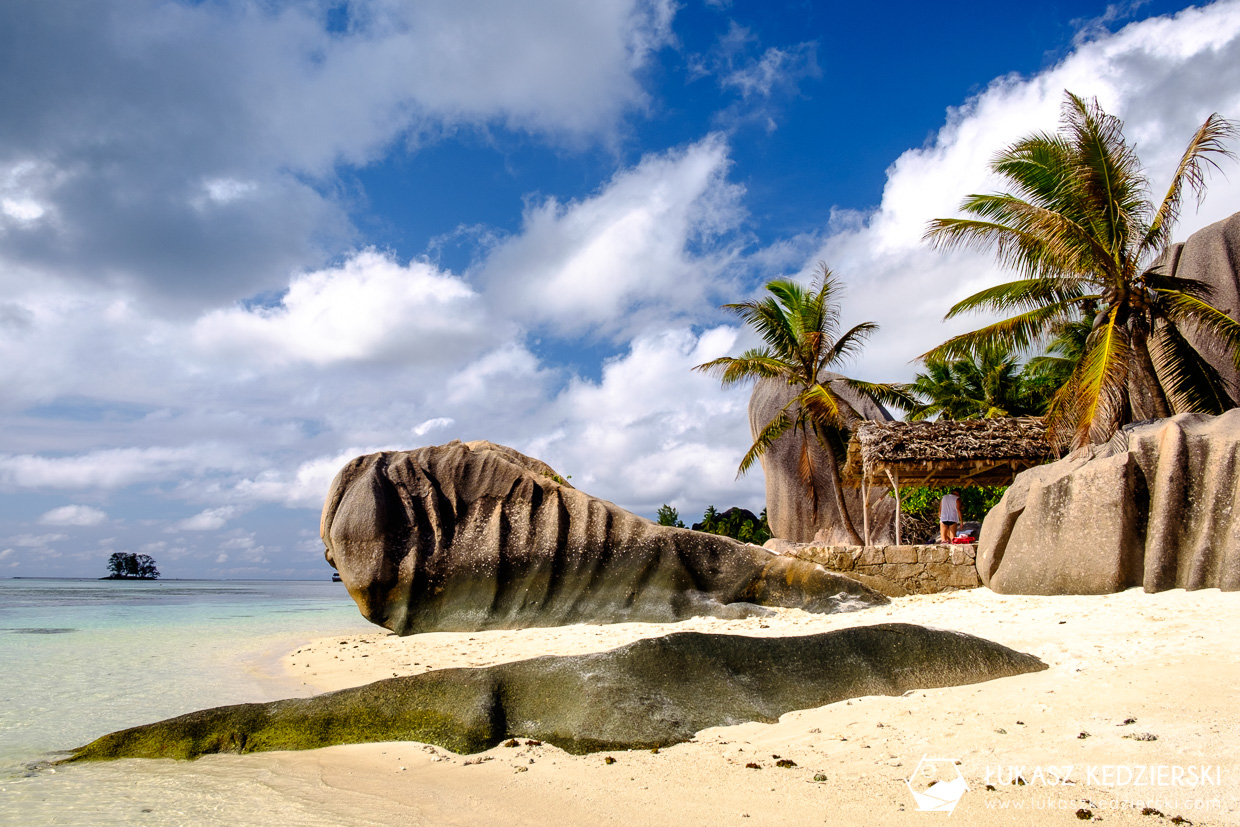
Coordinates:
(964, 539)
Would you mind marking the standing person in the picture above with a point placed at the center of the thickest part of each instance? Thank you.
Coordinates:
(950, 516)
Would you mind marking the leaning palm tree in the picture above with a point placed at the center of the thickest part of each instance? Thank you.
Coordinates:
(988, 383)
(801, 329)
(1080, 229)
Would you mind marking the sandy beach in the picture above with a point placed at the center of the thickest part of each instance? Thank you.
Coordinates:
(1137, 703)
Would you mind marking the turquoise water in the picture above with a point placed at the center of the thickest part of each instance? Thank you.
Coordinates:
(81, 658)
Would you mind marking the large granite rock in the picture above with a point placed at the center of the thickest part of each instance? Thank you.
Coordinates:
(788, 508)
(474, 535)
(653, 692)
(1158, 506)
(1212, 255)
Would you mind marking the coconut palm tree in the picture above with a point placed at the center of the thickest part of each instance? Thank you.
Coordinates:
(988, 383)
(1080, 229)
(801, 329)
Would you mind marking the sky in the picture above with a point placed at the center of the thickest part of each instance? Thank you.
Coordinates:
(244, 242)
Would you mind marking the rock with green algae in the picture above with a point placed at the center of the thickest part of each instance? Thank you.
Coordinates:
(653, 692)
(473, 535)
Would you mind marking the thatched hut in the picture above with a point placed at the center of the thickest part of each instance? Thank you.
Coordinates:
(943, 453)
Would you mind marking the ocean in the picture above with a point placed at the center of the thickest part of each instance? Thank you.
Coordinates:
(81, 658)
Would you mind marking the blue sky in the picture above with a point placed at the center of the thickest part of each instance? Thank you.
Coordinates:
(242, 242)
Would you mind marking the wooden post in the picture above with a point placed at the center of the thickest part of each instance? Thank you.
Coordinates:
(865, 507)
(895, 488)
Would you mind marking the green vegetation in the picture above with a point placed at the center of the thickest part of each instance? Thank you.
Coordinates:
(669, 516)
(919, 507)
(737, 524)
(801, 329)
(126, 566)
(1080, 229)
(990, 382)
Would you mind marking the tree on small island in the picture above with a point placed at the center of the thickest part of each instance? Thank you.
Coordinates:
(125, 566)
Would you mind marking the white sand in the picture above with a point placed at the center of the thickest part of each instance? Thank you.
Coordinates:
(1170, 661)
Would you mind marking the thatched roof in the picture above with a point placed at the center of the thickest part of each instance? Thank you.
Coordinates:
(965, 452)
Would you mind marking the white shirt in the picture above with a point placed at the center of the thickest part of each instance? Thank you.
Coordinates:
(949, 509)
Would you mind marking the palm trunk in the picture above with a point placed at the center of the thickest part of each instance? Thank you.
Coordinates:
(837, 486)
(1146, 398)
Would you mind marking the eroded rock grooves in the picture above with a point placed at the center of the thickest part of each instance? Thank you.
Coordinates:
(653, 692)
(1158, 506)
(469, 536)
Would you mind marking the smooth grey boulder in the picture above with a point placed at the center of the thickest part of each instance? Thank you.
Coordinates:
(1211, 255)
(650, 693)
(469, 536)
(788, 508)
(1158, 506)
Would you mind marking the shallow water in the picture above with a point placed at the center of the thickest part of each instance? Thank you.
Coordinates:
(81, 658)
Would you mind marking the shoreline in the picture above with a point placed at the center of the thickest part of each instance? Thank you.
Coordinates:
(1163, 660)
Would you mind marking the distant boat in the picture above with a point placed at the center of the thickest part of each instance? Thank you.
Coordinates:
(335, 577)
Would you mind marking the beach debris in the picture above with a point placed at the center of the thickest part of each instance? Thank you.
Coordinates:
(753, 766)
(624, 699)
(533, 743)
(1179, 820)
(504, 558)
(1084, 815)
(819, 777)
(521, 769)
(1150, 811)
(609, 760)
(1142, 736)
(1127, 721)
(785, 763)
(1001, 731)
(512, 742)
(1082, 736)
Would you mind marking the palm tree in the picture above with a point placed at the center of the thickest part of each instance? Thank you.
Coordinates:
(801, 330)
(988, 383)
(1080, 229)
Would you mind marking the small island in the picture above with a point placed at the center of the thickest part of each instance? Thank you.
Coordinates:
(126, 566)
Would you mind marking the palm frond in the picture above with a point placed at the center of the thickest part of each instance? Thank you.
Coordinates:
(1019, 333)
(1097, 390)
(751, 365)
(1199, 157)
(848, 345)
(1192, 383)
(1183, 308)
(774, 429)
(1025, 294)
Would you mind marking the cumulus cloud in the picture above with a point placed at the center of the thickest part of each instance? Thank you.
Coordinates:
(424, 428)
(112, 468)
(652, 430)
(82, 515)
(369, 308)
(210, 519)
(188, 149)
(630, 254)
(35, 540)
(1162, 76)
(306, 486)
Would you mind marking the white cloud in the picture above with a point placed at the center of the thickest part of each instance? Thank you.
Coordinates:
(777, 68)
(432, 424)
(35, 540)
(210, 519)
(305, 487)
(112, 468)
(368, 308)
(620, 259)
(652, 430)
(1162, 76)
(82, 515)
(5, 553)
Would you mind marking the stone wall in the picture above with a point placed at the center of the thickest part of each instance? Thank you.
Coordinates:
(895, 570)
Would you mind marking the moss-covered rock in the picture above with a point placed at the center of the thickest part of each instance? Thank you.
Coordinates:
(649, 693)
